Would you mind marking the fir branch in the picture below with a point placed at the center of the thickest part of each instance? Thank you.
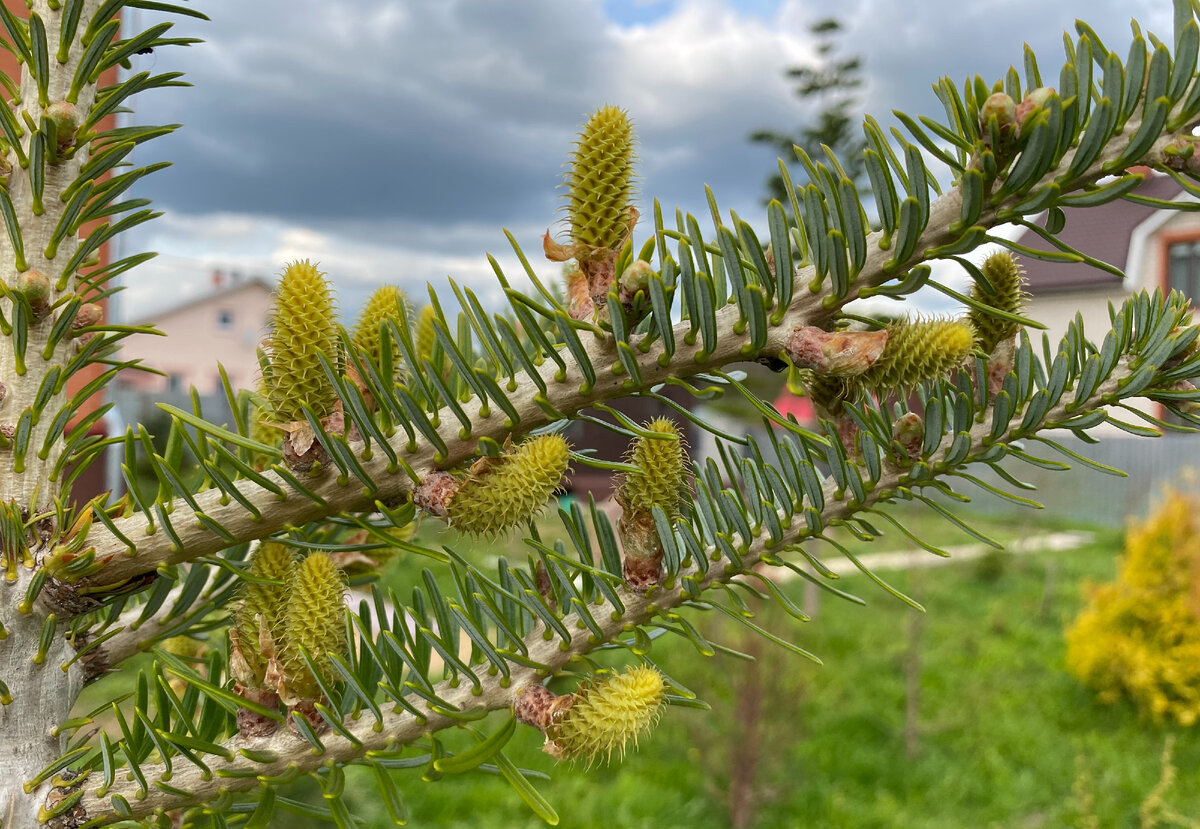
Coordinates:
(241, 762)
(567, 391)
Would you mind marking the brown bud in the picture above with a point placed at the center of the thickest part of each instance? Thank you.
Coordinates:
(538, 706)
(89, 314)
(435, 492)
(837, 353)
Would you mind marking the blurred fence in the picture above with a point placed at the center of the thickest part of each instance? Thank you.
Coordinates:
(1088, 496)
(1082, 494)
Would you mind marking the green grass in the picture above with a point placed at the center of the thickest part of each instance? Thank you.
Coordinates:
(1007, 738)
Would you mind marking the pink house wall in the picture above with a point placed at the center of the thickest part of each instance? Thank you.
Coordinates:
(224, 328)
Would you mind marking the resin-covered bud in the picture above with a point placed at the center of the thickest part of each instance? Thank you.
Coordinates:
(501, 493)
(66, 120)
(918, 350)
(1002, 108)
(303, 325)
(313, 622)
(1003, 291)
(835, 353)
(635, 278)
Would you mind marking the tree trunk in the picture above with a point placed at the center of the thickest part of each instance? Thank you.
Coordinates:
(42, 695)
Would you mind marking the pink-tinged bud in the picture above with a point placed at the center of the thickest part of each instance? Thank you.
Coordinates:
(1000, 363)
(1000, 106)
(35, 287)
(837, 353)
(909, 432)
(89, 314)
(65, 116)
(635, 278)
(1035, 100)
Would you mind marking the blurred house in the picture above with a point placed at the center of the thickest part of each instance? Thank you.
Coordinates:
(223, 326)
(1156, 249)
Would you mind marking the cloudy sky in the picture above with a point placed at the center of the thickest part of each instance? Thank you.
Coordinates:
(391, 140)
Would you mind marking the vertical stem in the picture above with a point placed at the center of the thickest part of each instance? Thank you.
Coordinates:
(42, 693)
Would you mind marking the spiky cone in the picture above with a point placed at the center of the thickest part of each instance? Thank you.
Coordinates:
(600, 213)
(387, 304)
(660, 480)
(504, 492)
(918, 350)
(303, 325)
(253, 638)
(313, 622)
(1004, 291)
(605, 715)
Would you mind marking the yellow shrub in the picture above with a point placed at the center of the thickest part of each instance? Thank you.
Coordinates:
(1139, 637)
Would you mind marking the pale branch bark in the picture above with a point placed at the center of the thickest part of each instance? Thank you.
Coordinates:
(124, 637)
(154, 547)
(42, 696)
(293, 754)
(36, 230)
(42, 692)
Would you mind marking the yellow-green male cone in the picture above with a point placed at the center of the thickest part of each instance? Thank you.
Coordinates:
(661, 473)
(1005, 292)
(314, 621)
(918, 350)
(386, 304)
(303, 325)
(600, 213)
(659, 481)
(606, 715)
(500, 493)
(261, 606)
(600, 182)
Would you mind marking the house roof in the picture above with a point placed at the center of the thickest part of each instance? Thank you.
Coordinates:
(205, 299)
(1103, 232)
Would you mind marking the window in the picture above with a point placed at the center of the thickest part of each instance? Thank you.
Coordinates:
(174, 382)
(225, 319)
(1183, 268)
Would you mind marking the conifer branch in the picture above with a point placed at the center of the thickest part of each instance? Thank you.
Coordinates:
(566, 396)
(284, 753)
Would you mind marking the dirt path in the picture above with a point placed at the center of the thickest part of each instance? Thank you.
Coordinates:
(919, 559)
